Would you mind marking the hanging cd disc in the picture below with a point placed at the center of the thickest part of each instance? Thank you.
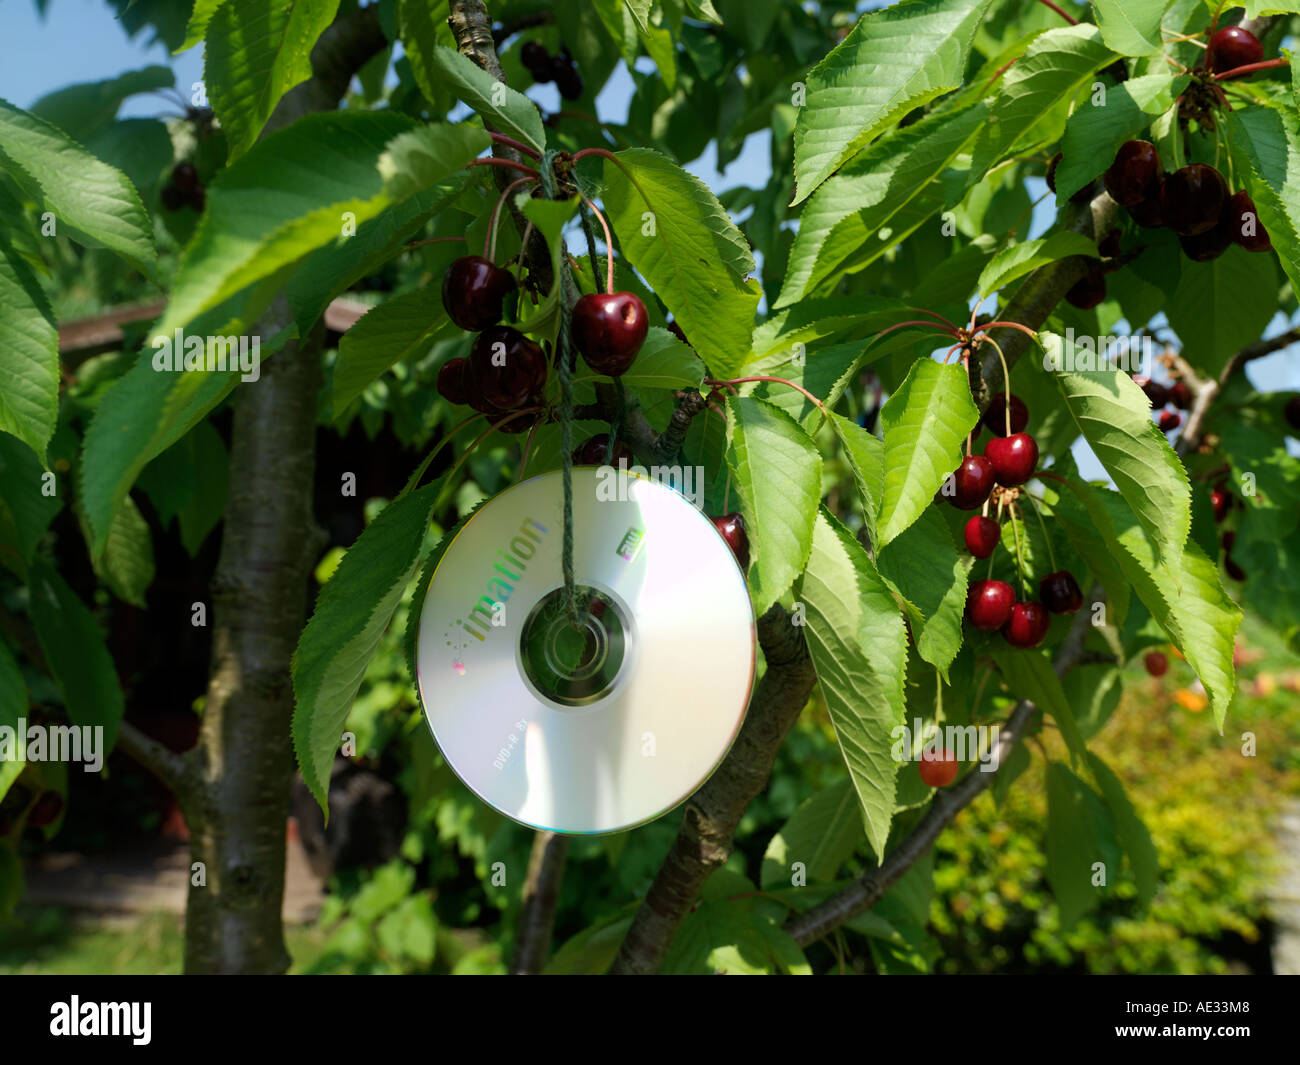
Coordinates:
(606, 725)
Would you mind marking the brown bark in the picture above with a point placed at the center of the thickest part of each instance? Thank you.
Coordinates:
(243, 764)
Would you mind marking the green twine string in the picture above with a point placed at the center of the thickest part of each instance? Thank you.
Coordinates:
(566, 413)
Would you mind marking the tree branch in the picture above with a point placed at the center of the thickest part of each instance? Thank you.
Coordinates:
(709, 822)
(864, 893)
(177, 771)
(1206, 392)
(541, 896)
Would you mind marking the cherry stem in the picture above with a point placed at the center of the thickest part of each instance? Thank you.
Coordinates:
(518, 146)
(1033, 504)
(775, 380)
(605, 154)
(432, 240)
(519, 274)
(1020, 561)
(925, 325)
(609, 246)
(526, 453)
(1052, 476)
(1006, 383)
(1068, 18)
(938, 695)
(1214, 19)
(946, 321)
(998, 519)
(414, 479)
(455, 469)
(490, 238)
(1250, 68)
(509, 164)
(1010, 325)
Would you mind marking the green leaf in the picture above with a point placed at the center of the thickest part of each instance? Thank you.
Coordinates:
(1265, 145)
(1028, 109)
(550, 217)
(79, 110)
(778, 472)
(504, 108)
(1012, 263)
(329, 271)
(197, 27)
(1221, 306)
(1132, 833)
(925, 423)
(1114, 416)
(922, 565)
(1093, 134)
(294, 193)
(663, 362)
(352, 612)
(254, 52)
(1030, 676)
(893, 61)
(1095, 552)
(29, 354)
(676, 235)
(25, 510)
(11, 880)
(859, 647)
(1185, 596)
(734, 935)
(1079, 834)
(126, 564)
(820, 834)
(1274, 505)
(401, 328)
(94, 203)
(139, 147)
(1131, 27)
(592, 951)
(13, 705)
(866, 457)
(863, 211)
(76, 654)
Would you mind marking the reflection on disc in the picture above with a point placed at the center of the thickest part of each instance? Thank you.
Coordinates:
(602, 725)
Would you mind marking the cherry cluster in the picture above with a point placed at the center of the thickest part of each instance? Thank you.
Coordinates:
(545, 67)
(1176, 394)
(1010, 459)
(505, 371)
(184, 187)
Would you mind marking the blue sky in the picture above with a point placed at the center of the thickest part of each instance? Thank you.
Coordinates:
(80, 41)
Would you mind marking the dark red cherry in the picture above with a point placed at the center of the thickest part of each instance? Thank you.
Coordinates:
(46, 810)
(1180, 395)
(199, 198)
(592, 452)
(451, 381)
(1110, 246)
(972, 482)
(1156, 393)
(1060, 592)
(1220, 500)
(474, 290)
(1292, 412)
(566, 78)
(609, 330)
(1089, 290)
(1157, 664)
(995, 416)
(1192, 199)
(172, 198)
(1233, 570)
(982, 535)
(938, 770)
(185, 177)
(1148, 214)
(989, 603)
(1027, 626)
(1227, 540)
(1232, 47)
(524, 422)
(536, 59)
(1170, 420)
(1014, 458)
(1135, 174)
(1213, 242)
(505, 368)
(1242, 221)
(732, 529)
(1082, 196)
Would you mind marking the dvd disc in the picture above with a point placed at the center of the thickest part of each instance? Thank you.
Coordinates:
(603, 726)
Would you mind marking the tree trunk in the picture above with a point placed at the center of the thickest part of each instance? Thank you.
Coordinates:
(245, 758)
